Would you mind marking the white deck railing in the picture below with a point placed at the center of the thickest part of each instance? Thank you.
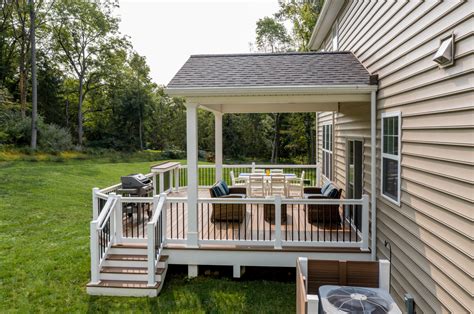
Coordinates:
(207, 173)
(271, 222)
(103, 232)
(156, 232)
(258, 222)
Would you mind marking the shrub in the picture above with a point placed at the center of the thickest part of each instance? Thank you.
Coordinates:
(16, 130)
(173, 154)
(53, 138)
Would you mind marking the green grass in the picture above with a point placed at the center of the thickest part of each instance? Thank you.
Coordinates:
(45, 210)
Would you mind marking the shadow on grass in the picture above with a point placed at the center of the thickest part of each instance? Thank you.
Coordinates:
(260, 290)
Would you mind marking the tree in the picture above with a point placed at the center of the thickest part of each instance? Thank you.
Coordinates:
(34, 94)
(82, 32)
(303, 16)
(271, 35)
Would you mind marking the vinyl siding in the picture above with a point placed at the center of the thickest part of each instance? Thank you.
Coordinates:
(432, 230)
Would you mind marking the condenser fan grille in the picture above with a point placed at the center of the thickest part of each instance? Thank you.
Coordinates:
(340, 299)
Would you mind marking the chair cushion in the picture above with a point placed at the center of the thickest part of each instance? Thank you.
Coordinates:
(333, 193)
(325, 186)
(217, 191)
(225, 187)
(328, 190)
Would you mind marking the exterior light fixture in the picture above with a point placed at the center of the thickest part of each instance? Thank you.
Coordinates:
(444, 57)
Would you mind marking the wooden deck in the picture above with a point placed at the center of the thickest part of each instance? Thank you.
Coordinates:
(253, 227)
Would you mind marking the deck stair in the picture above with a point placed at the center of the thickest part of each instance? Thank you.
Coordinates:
(124, 273)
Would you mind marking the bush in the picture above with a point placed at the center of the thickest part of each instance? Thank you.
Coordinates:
(53, 138)
(16, 130)
(173, 154)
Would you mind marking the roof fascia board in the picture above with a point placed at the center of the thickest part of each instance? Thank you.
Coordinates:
(271, 90)
(325, 21)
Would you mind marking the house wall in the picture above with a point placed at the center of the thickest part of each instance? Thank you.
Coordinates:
(431, 232)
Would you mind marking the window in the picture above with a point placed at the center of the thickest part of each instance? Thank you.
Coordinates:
(327, 151)
(391, 157)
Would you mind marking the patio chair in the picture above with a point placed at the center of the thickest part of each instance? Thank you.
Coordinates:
(227, 212)
(237, 182)
(256, 185)
(325, 215)
(259, 171)
(278, 185)
(296, 185)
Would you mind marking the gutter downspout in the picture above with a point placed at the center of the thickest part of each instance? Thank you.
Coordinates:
(373, 174)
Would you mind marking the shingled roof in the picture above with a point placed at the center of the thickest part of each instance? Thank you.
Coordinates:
(272, 70)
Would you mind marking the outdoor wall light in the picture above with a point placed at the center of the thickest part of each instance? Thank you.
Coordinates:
(444, 57)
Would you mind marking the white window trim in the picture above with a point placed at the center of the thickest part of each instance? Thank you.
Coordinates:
(335, 37)
(328, 151)
(390, 156)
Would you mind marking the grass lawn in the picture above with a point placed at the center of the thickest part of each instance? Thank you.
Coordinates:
(45, 210)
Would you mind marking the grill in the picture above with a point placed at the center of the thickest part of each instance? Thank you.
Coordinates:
(136, 185)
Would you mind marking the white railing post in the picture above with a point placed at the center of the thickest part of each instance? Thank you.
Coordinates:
(176, 179)
(162, 182)
(318, 174)
(95, 262)
(95, 204)
(313, 303)
(151, 251)
(253, 166)
(278, 222)
(118, 220)
(365, 222)
(154, 183)
(218, 144)
(164, 219)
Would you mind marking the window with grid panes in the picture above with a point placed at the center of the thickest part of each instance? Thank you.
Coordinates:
(391, 157)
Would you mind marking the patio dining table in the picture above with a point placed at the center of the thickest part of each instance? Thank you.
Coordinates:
(246, 175)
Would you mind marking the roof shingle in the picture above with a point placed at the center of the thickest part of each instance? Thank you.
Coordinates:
(271, 69)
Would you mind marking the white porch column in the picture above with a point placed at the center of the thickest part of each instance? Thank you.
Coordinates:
(373, 173)
(218, 144)
(192, 160)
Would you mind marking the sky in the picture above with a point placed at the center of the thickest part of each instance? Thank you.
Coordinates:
(167, 32)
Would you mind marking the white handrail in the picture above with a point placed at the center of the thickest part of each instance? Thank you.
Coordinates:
(101, 225)
(106, 209)
(98, 225)
(258, 166)
(153, 255)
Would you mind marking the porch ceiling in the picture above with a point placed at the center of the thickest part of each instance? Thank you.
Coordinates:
(280, 82)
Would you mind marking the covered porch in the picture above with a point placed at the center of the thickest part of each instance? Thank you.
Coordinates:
(274, 83)
(186, 221)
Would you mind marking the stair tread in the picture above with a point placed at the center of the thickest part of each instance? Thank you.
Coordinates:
(129, 270)
(124, 284)
(125, 257)
(129, 246)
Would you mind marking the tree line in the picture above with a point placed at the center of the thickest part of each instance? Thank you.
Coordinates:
(94, 91)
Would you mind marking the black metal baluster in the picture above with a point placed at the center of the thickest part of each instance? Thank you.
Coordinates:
(350, 224)
(304, 222)
(184, 220)
(171, 219)
(202, 220)
(208, 221)
(226, 223)
(258, 226)
(251, 222)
